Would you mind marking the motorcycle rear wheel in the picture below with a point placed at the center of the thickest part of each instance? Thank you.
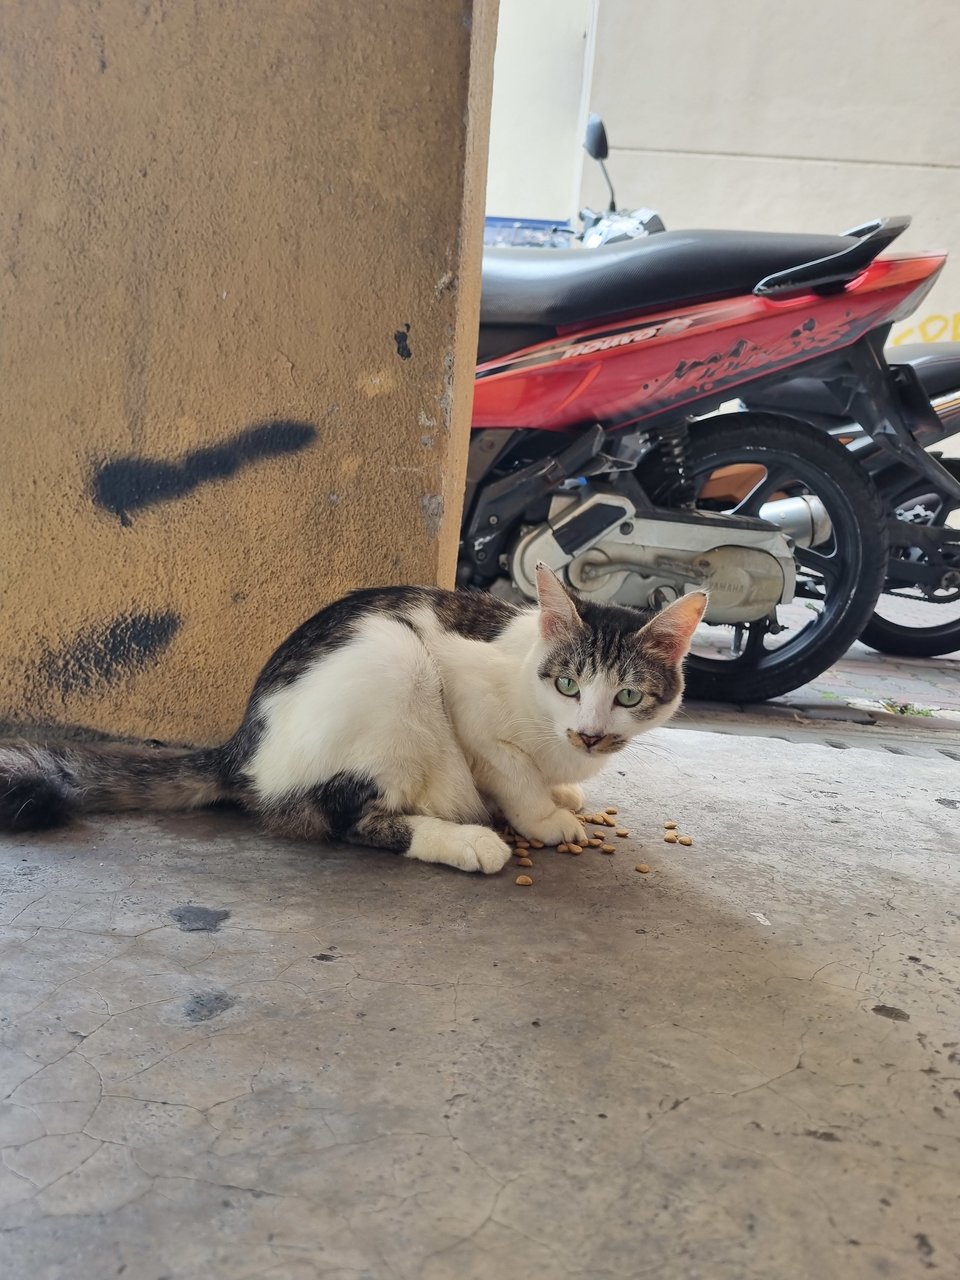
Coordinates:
(844, 574)
(906, 640)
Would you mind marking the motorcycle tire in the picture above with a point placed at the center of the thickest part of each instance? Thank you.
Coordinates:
(904, 641)
(806, 457)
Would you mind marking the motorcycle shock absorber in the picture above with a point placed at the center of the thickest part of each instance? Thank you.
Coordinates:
(674, 438)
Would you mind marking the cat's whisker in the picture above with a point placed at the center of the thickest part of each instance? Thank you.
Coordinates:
(657, 748)
(643, 755)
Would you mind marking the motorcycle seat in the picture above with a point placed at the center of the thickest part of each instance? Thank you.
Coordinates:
(556, 287)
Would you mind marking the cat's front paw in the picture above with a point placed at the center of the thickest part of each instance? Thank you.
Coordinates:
(481, 849)
(562, 827)
(466, 846)
(567, 795)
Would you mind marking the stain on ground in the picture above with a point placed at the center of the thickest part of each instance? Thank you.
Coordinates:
(125, 485)
(822, 1135)
(948, 802)
(326, 955)
(403, 344)
(198, 919)
(106, 653)
(890, 1011)
(209, 1004)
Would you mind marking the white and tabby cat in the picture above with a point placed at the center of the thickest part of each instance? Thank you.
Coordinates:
(404, 718)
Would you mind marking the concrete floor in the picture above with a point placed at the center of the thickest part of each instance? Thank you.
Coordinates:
(227, 1056)
(864, 676)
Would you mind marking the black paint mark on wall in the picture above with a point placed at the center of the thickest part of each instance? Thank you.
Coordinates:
(125, 485)
(401, 338)
(105, 654)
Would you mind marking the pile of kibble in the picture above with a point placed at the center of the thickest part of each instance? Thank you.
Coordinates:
(602, 821)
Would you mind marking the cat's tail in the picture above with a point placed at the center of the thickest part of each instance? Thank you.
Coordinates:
(44, 786)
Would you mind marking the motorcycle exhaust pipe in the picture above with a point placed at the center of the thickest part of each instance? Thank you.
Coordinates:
(805, 519)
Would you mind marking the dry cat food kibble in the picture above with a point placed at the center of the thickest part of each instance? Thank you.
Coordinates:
(604, 825)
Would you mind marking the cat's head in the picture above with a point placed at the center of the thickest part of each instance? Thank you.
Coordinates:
(607, 673)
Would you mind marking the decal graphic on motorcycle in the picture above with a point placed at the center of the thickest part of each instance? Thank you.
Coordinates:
(625, 339)
(699, 377)
(565, 348)
(741, 360)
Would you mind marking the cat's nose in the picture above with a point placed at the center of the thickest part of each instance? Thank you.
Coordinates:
(590, 739)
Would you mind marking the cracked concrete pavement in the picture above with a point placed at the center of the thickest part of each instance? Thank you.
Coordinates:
(224, 1055)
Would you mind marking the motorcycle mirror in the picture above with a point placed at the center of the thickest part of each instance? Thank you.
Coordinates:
(595, 139)
(595, 145)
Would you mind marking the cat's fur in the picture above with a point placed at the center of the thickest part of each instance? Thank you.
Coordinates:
(403, 718)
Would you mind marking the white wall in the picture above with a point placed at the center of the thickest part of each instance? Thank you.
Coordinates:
(803, 115)
(540, 89)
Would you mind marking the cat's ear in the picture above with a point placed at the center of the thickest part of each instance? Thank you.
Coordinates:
(669, 634)
(558, 613)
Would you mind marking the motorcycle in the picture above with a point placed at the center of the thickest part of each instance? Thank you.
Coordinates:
(598, 448)
(919, 611)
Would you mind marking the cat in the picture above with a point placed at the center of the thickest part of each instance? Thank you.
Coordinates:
(404, 718)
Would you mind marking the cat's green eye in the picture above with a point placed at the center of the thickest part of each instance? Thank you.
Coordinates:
(567, 686)
(629, 697)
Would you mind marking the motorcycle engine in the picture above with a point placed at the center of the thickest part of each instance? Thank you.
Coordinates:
(609, 553)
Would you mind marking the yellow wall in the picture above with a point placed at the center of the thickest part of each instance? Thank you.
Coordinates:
(238, 256)
(541, 81)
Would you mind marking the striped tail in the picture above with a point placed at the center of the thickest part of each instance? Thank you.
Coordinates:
(43, 786)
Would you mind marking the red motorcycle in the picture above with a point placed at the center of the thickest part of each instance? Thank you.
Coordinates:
(592, 449)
